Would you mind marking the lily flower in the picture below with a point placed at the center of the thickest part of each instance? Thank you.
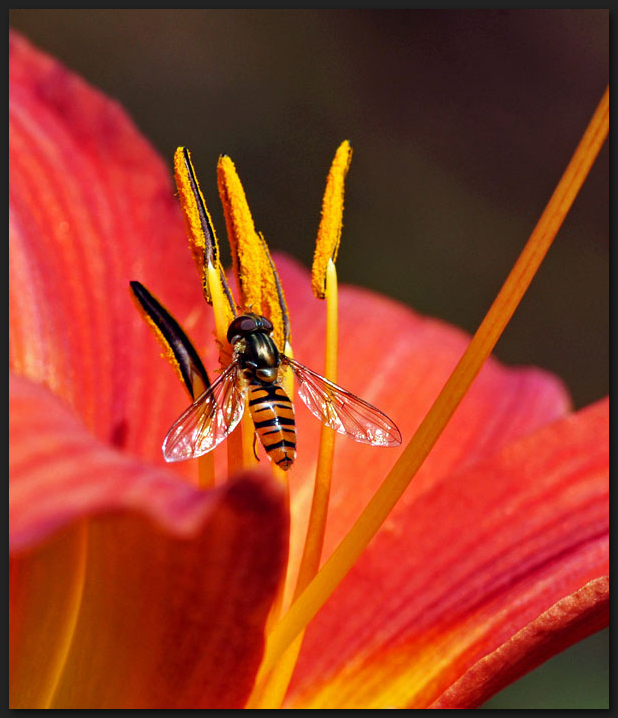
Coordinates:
(140, 584)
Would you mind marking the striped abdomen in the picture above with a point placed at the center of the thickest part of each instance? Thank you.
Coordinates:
(273, 415)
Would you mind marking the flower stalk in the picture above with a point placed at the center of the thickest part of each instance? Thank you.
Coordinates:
(270, 691)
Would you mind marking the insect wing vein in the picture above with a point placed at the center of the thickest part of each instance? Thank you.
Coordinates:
(343, 411)
(208, 421)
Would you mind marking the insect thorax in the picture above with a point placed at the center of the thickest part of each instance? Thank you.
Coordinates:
(258, 356)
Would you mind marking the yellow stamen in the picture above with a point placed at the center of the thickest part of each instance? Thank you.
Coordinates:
(270, 691)
(220, 307)
(205, 251)
(177, 348)
(288, 376)
(481, 345)
(257, 278)
(200, 229)
(329, 232)
(324, 277)
(166, 352)
(274, 304)
(258, 282)
(247, 255)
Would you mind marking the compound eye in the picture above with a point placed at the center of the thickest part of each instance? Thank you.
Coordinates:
(240, 326)
(267, 325)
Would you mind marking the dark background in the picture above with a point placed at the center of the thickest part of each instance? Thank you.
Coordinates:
(462, 123)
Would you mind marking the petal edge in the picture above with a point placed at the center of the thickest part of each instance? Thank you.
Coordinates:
(569, 620)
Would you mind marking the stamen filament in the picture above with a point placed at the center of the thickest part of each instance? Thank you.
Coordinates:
(206, 471)
(316, 529)
(481, 345)
(206, 462)
(220, 306)
(235, 450)
(271, 691)
(248, 441)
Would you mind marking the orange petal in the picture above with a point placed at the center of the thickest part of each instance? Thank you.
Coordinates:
(484, 565)
(129, 588)
(91, 207)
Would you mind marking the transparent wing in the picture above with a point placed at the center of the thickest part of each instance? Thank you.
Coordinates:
(206, 423)
(343, 411)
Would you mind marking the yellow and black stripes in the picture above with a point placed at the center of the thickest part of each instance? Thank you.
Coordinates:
(273, 416)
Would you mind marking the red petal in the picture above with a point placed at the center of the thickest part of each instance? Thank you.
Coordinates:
(399, 361)
(567, 621)
(91, 206)
(462, 568)
(156, 598)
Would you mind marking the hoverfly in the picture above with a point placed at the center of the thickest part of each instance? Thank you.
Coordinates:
(255, 374)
